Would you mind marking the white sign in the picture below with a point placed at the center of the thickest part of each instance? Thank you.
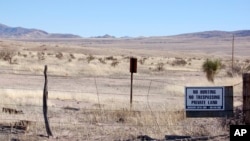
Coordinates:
(204, 98)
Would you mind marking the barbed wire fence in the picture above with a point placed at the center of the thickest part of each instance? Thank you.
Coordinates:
(99, 122)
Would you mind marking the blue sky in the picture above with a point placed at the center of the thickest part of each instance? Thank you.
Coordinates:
(126, 17)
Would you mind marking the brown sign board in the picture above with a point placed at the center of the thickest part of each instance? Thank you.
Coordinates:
(133, 65)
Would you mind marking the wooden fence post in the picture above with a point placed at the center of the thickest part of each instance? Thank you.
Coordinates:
(45, 107)
(246, 98)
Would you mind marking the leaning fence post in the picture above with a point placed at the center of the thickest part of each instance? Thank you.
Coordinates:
(45, 107)
(246, 98)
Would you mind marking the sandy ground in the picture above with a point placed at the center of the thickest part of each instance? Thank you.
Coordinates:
(90, 100)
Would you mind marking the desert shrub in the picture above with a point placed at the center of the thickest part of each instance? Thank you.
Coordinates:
(90, 58)
(179, 62)
(237, 119)
(25, 55)
(159, 66)
(247, 61)
(211, 68)
(110, 58)
(80, 59)
(247, 69)
(126, 57)
(114, 63)
(72, 56)
(7, 55)
(49, 53)
(238, 69)
(14, 61)
(59, 55)
(40, 56)
(142, 60)
(102, 60)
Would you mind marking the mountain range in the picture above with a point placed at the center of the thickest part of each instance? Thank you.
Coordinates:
(20, 32)
(25, 33)
(217, 33)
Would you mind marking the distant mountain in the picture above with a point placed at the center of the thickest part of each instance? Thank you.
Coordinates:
(216, 33)
(105, 36)
(20, 32)
(25, 33)
(242, 33)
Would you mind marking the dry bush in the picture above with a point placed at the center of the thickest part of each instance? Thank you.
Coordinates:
(59, 55)
(238, 69)
(40, 56)
(25, 55)
(101, 60)
(247, 61)
(50, 54)
(7, 55)
(142, 60)
(179, 62)
(72, 56)
(110, 58)
(80, 59)
(160, 66)
(115, 63)
(90, 58)
(126, 57)
(15, 61)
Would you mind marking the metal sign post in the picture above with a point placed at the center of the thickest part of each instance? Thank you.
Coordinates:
(133, 69)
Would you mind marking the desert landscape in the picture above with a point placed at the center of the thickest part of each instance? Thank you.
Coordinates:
(89, 86)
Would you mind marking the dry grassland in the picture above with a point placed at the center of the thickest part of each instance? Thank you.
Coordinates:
(89, 86)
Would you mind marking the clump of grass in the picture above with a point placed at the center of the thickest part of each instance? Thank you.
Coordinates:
(102, 60)
(90, 58)
(7, 55)
(239, 69)
(111, 58)
(72, 56)
(25, 55)
(160, 66)
(115, 63)
(211, 68)
(49, 53)
(179, 62)
(40, 56)
(59, 55)
(142, 60)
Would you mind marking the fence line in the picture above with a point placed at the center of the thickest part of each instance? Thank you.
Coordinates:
(102, 111)
(115, 124)
(103, 93)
